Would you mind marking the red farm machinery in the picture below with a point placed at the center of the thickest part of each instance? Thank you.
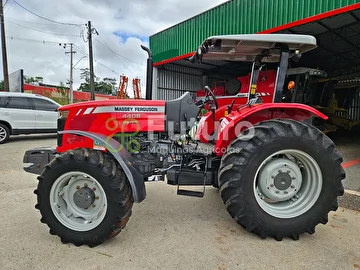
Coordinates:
(277, 174)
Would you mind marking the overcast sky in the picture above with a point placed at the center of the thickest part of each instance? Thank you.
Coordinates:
(32, 42)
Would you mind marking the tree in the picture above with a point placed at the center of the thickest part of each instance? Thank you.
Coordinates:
(85, 87)
(2, 85)
(85, 75)
(111, 81)
(36, 79)
(39, 79)
(105, 86)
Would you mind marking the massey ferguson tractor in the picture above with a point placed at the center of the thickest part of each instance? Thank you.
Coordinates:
(277, 175)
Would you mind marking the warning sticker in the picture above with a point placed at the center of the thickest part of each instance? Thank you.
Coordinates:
(253, 89)
(98, 146)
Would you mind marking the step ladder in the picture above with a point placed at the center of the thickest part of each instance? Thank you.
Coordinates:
(192, 193)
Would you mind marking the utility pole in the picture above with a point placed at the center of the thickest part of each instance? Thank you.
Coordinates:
(92, 83)
(71, 73)
(71, 96)
(4, 54)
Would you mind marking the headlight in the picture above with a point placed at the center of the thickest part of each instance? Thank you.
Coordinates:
(63, 114)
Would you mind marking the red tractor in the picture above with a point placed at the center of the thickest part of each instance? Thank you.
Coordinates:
(277, 175)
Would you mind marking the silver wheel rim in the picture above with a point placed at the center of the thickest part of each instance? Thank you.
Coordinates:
(288, 183)
(78, 201)
(2, 134)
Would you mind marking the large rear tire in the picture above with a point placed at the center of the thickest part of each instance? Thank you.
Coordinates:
(282, 181)
(84, 197)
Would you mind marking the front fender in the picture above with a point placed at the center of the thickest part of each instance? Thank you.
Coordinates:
(125, 159)
(246, 116)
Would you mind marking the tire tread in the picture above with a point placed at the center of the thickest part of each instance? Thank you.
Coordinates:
(234, 163)
(117, 182)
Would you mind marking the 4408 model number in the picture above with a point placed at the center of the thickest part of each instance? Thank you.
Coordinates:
(131, 115)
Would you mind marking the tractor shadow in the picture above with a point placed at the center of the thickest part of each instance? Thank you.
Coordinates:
(165, 218)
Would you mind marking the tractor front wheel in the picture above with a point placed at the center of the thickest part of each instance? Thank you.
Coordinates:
(84, 197)
(283, 180)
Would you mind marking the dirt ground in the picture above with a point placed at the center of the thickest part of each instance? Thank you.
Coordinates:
(349, 147)
(168, 231)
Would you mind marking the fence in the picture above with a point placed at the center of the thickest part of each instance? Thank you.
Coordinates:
(62, 95)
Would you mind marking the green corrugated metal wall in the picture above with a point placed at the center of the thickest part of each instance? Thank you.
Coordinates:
(236, 17)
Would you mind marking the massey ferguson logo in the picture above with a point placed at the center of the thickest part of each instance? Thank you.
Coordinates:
(137, 109)
(123, 109)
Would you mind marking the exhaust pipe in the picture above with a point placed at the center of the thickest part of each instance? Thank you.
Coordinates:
(149, 73)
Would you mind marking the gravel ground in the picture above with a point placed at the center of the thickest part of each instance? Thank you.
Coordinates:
(349, 147)
(350, 201)
(166, 231)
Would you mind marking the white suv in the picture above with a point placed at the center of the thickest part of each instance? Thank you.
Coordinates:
(22, 113)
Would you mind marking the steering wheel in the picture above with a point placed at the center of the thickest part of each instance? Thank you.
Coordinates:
(208, 91)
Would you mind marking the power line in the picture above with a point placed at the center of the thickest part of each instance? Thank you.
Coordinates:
(34, 40)
(80, 50)
(44, 18)
(117, 57)
(49, 33)
(7, 4)
(46, 42)
(34, 22)
(97, 61)
(106, 67)
(115, 53)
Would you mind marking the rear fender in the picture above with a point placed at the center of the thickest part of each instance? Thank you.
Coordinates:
(247, 116)
(122, 156)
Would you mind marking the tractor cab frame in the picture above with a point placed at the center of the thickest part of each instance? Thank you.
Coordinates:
(258, 49)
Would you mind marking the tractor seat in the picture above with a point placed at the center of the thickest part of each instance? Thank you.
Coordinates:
(182, 109)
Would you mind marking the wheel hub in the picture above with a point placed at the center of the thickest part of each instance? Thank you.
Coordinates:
(84, 197)
(280, 180)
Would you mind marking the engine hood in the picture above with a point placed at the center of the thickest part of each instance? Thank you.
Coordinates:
(115, 103)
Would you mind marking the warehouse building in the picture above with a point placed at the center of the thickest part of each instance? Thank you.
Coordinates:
(335, 24)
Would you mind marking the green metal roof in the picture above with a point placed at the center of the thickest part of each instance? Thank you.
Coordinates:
(236, 17)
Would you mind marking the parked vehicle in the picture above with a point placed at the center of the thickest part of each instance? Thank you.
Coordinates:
(278, 175)
(23, 113)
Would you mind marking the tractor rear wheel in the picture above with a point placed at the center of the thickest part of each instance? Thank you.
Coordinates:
(84, 197)
(283, 180)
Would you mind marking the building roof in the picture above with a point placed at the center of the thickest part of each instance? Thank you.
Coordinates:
(241, 17)
(337, 33)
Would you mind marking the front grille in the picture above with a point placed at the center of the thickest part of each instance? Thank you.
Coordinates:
(60, 127)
